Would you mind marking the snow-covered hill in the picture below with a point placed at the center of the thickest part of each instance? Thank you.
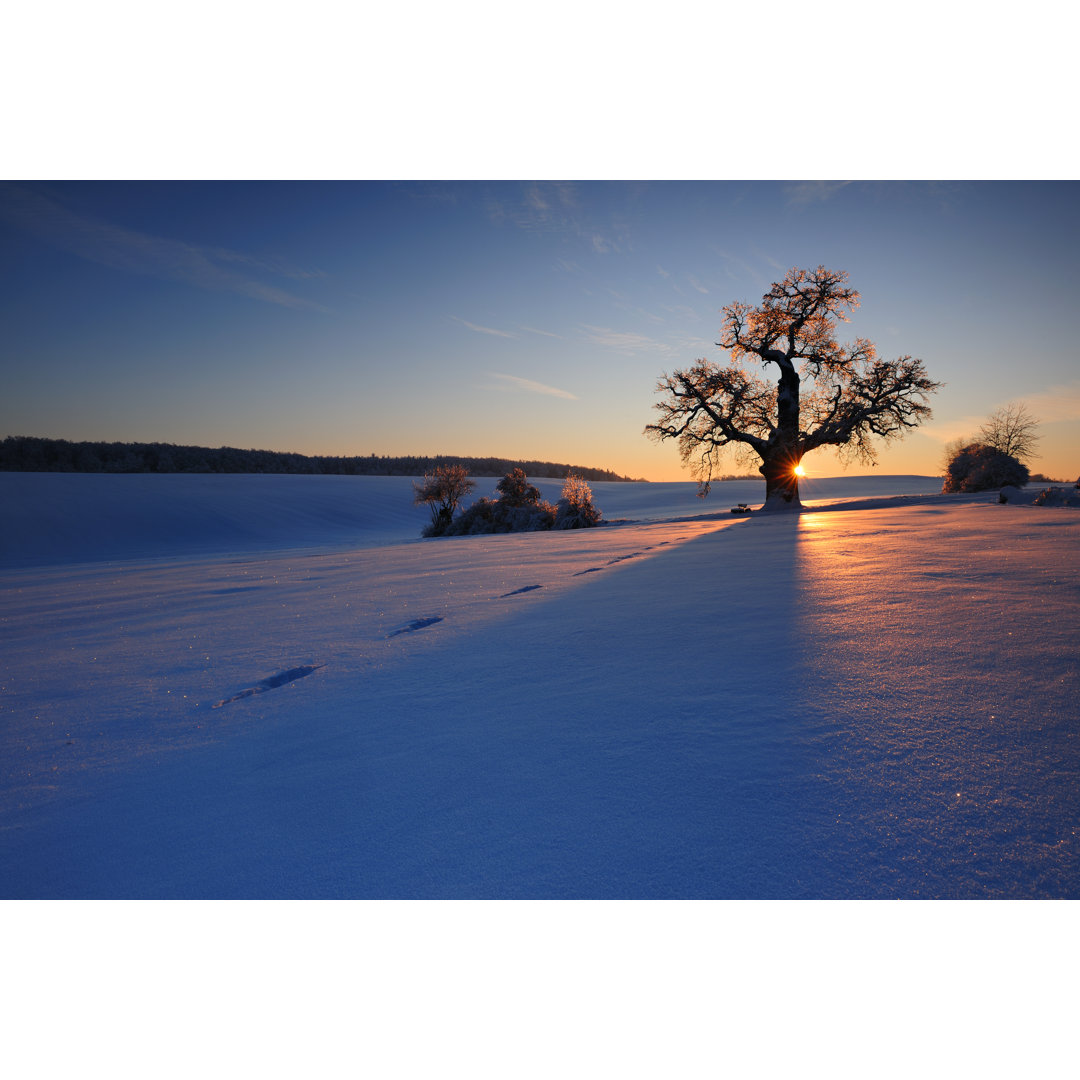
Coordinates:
(89, 517)
(270, 687)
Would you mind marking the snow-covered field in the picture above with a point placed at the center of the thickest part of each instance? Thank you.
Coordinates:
(269, 686)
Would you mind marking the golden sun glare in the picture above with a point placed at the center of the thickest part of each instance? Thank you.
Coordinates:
(799, 470)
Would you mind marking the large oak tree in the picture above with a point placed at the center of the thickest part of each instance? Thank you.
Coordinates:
(825, 394)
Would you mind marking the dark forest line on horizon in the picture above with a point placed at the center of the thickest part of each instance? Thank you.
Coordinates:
(26, 453)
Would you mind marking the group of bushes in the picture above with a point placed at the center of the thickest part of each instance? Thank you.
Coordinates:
(519, 507)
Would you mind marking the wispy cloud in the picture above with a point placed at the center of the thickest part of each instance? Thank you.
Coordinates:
(623, 301)
(958, 427)
(813, 191)
(539, 207)
(270, 266)
(484, 329)
(684, 311)
(515, 382)
(1057, 403)
(534, 330)
(622, 340)
(740, 269)
(697, 284)
(662, 272)
(134, 252)
(556, 207)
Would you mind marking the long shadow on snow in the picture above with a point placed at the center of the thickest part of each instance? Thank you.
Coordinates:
(642, 736)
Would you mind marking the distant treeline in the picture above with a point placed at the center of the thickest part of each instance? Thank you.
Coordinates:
(24, 453)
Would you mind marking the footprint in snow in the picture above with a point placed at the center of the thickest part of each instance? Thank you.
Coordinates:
(623, 558)
(611, 562)
(517, 592)
(272, 683)
(416, 624)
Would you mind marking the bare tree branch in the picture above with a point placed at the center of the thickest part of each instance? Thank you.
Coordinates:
(1011, 429)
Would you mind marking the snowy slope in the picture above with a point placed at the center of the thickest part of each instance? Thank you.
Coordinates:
(54, 518)
(875, 703)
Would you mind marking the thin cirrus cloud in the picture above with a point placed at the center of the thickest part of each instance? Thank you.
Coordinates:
(1056, 404)
(813, 191)
(556, 207)
(515, 382)
(620, 339)
(139, 253)
(483, 329)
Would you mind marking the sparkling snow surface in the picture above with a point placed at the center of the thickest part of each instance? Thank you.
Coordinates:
(269, 687)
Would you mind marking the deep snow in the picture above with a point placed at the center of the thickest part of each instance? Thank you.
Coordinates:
(268, 687)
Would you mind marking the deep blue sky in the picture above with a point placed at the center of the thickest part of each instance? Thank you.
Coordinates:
(525, 320)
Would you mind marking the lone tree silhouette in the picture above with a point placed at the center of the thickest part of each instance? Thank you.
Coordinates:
(826, 395)
(1012, 431)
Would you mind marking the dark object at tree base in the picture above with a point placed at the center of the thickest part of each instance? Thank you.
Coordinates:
(742, 508)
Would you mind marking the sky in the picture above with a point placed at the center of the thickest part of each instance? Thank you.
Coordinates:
(519, 319)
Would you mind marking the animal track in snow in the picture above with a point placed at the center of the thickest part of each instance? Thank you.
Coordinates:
(272, 683)
(517, 592)
(416, 624)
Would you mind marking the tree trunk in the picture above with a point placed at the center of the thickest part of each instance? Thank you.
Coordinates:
(781, 483)
(783, 454)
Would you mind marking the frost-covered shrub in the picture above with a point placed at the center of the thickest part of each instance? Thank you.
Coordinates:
(442, 490)
(515, 490)
(1057, 496)
(982, 468)
(519, 508)
(575, 509)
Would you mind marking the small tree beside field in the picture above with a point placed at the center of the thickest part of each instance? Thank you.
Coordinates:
(442, 490)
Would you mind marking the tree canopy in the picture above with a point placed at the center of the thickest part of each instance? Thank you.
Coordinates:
(826, 394)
